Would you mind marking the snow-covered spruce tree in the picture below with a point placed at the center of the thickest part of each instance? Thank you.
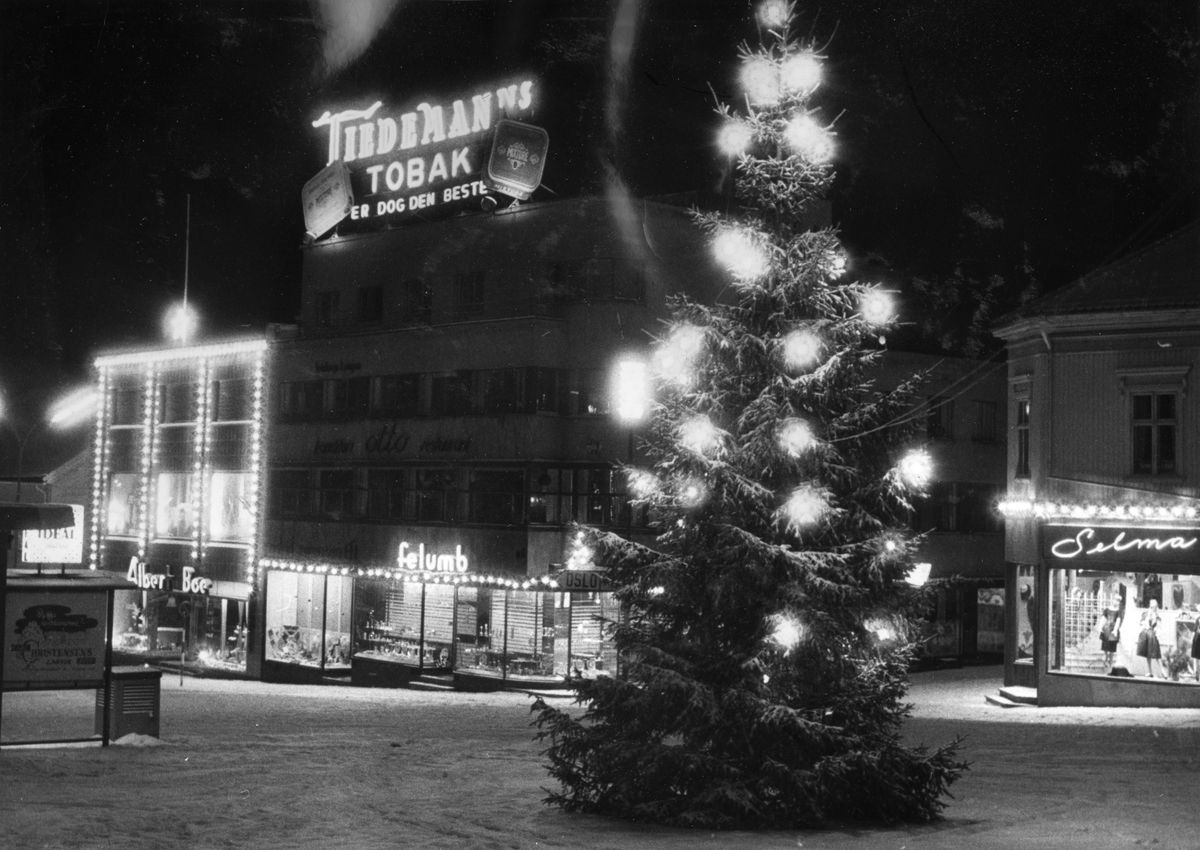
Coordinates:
(763, 638)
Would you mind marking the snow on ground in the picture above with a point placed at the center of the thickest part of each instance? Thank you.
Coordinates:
(247, 764)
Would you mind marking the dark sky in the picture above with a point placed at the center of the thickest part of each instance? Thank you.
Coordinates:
(1009, 141)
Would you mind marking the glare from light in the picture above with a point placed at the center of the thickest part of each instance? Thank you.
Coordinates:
(676, 357)
(773, 13)
(836, 263)
(796, 437)
(916, 468)
(760, 80)
(699, 434)
(74, 408)
(801, 72)
(876, 307)
(181, 323)
(810, 140)
(805, 507)
(692, 493)
(740, 254)
(787, 632)
(919, 574)
(734, 137)
(630, 390)
(801, 349)
(642, 483)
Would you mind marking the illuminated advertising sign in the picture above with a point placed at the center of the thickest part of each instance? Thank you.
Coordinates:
(189, 582)
(54, 545)
(517, 160)
(414, 160)
(327, 199)
(1107, 544)
(582, 581)
(54, 637)
(431, 562)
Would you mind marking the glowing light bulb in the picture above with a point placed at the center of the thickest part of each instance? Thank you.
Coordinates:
(676, 358)
(739, 253)
(919, 574)
(734, 137)
(801, 72)
(699, 434)
(630, 390)
(692, 493)
(801, 349)
(835, 263)
(773, 13)
(916, 468)
(810, 140)
(760, 80)
(876, 307)
(787, 632)
(805, 507)
(796, 437)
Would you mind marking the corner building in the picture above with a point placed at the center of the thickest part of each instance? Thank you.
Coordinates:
(439, 418)
(1102, 516)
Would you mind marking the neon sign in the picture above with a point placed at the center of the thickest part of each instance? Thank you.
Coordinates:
(424, 157)
(1125, 544)
(429, 562)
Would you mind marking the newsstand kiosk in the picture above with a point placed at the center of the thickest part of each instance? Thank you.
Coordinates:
(57, 635)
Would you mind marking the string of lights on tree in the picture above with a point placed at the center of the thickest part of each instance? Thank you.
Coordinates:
(765, 634)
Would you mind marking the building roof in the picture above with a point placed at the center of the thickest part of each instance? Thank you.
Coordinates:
(1164, 275)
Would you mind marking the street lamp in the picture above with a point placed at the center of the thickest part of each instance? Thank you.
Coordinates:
(64, 413)
(181, 322)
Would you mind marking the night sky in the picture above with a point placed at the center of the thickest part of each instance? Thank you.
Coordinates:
(1001, 147)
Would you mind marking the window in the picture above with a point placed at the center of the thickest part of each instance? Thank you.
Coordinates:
(436, 495)
(940, 422)
(385, 494)
(451, 394)
(468, 287)
(174, 448)
(229, 447)
(177, 402)
(965, 508)
(347, 398)
(593, 495)
(1022, 470)
(126, 407)
(123, 454)
(174, 505)
(300, 400)
(229, 507)
(291, 494)
(230, 400)
(416, 302)
(592, 394)
(123, 514)
(370, 304)
(501, 389)
(497, 497)
(397, 395)
(594, 279)
(1154, 433)
(545, 390)
(327, 309)
(337, 493)
(984, 430)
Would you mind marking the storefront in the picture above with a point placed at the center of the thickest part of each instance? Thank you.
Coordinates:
(1110, 614)
(386, 627)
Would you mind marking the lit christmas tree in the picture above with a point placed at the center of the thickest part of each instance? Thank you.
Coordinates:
(763, 639)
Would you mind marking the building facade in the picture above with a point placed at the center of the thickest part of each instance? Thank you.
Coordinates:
(1102, 532)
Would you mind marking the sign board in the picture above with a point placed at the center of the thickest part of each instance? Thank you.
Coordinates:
(583, 581)
(517, 160)
(54, 545)
(1094, 546)
(189, 582)
(327, 199)
(426, 158)
(52, 637)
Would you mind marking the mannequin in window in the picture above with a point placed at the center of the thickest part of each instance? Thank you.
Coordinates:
(1147, 645)
(1110, 635)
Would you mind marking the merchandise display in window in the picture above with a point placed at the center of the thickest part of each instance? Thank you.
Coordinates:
(1135, 624)
(308, 620)
(193, 629)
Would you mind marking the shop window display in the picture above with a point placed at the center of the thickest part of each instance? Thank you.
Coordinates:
(173, 513)
(989, 630)
(391, 616)
(592, 650)
(122, 514)
(1125, 623)
(308, 619)
(229, 507)
(194, 629)
(479, 633)
(530, 632)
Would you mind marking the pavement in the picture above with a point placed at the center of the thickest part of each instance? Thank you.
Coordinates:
(249, 764)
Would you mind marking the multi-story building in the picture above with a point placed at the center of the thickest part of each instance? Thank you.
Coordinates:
(176, 483)
(1102, 532)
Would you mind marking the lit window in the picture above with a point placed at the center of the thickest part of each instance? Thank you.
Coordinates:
(1154, 433)
(1022, 469)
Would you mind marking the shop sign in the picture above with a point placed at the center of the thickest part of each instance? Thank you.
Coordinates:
(518, 159)
(189, 582)
(54, 637)
(583, 581)
(54, 545)
(413, 160)
(327, 199)
(389, 439)
(430, 561)
(1106, 544)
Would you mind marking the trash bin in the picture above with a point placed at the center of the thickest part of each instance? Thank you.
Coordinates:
(134, 708)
